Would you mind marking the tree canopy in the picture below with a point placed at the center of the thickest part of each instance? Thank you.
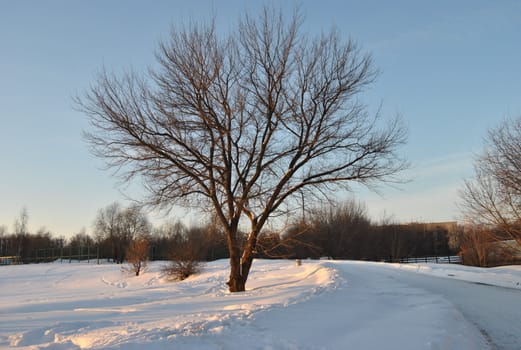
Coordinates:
(241, 123)
(493, 197)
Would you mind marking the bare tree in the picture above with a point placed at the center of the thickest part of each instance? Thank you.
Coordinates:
(493, 197)
(106, 228)
(81, 239)
(21, 222)
(243, 124)
(341, 225)
(119, 227)
(3, 240)
(21, 231)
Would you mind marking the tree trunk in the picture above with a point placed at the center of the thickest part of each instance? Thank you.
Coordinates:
(237, 282)
(239, 271)
(240, 265)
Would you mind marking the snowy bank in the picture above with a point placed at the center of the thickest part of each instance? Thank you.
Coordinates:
(505, 276)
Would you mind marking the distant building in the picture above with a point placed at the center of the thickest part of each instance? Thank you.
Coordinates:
(449, 226)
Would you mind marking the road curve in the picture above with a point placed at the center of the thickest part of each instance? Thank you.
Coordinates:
(496, 311)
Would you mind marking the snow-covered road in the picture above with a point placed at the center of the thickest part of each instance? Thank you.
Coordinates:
(375, 306)
(496, 311)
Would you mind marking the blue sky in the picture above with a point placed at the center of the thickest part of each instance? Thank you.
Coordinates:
(451, 69)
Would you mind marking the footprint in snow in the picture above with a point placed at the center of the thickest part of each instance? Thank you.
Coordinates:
(119, 284)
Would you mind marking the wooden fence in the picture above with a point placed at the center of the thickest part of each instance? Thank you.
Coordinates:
(453, 259)
(68, 254)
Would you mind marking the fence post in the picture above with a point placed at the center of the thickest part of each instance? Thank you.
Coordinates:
(88, 254)
(97, 253)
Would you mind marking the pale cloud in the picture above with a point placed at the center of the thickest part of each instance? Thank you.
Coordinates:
(450, 164)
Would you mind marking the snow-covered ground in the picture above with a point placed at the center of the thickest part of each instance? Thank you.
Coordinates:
(319, 305)
(507, 276)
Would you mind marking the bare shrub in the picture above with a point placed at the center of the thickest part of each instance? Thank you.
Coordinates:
(481, 247)
(186, 256)
(473, 245)
(137, 256)
(181, 269)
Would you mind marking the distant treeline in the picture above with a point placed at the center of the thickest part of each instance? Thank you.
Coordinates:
(340, 232)
(346, 232)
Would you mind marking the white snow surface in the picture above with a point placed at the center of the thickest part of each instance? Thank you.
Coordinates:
(318, 305)
(504, 276)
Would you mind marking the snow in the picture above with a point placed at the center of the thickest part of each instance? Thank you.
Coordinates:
(318, 305)
(508, 276)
